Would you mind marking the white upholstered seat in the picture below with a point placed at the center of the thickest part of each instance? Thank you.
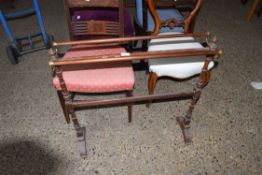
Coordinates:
(180, 67)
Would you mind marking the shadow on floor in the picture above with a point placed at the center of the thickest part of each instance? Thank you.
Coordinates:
(26, 158)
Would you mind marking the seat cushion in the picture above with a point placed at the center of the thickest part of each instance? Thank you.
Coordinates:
(107, 15)
(97, 77)
(163, 15)
(180, 67)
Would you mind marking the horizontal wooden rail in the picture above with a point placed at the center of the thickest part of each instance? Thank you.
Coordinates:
(134, 56)
(126, 100)
(126, 39)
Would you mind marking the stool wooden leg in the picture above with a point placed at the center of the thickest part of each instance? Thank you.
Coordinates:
(130, 105)
(62, 102)
(184, 122)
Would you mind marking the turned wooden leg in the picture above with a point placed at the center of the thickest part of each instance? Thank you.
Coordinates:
(130, 105)
(81, 135)
(151, 85)
(184, 122)
(66, 97)
(62, 102)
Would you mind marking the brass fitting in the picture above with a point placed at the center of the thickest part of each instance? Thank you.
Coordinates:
(51, 64)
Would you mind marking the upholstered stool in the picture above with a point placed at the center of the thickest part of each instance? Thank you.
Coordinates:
(95, 78)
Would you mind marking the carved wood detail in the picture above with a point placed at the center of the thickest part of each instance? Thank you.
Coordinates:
(188, 23)
(172, 22)
(93, 27)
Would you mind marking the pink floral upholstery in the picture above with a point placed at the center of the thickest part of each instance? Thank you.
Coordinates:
(98, 77)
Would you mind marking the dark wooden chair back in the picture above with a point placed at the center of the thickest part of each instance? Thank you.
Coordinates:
(94, 28)
(189, 8)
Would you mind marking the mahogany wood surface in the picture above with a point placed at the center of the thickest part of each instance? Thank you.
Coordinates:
(135, 99)
(126, 39)
(69, 105)
(134, 56)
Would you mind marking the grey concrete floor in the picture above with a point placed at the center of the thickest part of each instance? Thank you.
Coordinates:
(34, 138)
